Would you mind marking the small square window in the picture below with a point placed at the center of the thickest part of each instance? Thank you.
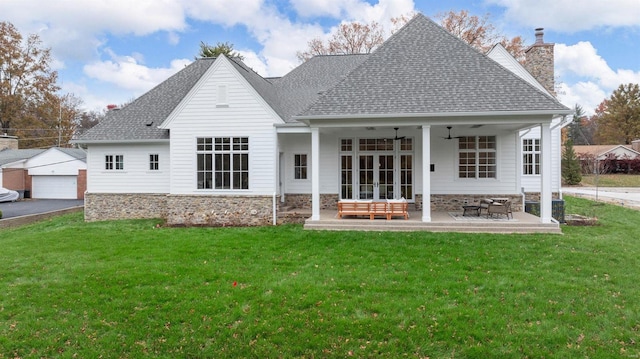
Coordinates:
(154, 162)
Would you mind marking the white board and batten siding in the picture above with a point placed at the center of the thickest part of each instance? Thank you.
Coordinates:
(136, 177)
(243, 113)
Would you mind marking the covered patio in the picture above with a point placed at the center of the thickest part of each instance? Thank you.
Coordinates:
(441, 221)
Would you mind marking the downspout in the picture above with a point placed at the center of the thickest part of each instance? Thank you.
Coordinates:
(275, 214)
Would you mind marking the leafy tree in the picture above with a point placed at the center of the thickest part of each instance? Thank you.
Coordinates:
(571, 170)
(618, 117)
(221, 48)
(579, 131)
(87, 120)
(27, 85)
(349, 38)
(479, 33)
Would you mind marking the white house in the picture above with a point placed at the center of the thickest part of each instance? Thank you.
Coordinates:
(425, 117)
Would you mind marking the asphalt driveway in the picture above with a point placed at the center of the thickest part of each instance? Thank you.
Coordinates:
(36, 206)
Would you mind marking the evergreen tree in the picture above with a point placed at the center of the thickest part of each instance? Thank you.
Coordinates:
(225, 48)
(571, 172)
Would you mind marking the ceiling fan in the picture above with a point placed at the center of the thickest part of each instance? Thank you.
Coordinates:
(398, 138)
(449, 137)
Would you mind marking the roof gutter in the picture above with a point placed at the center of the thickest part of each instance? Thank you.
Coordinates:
(436, 115)
(93, 142)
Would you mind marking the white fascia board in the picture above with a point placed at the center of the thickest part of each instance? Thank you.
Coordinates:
(103, 142)
(449, 115)
(293, 130)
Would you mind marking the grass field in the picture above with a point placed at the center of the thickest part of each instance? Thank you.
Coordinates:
(130, 290)
(616, 180)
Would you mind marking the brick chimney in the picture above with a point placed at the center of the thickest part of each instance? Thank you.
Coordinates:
(8, 142)
(539, 61)
(635, 144)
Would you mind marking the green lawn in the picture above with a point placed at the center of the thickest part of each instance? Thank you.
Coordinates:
(609, 180)
(129, 290)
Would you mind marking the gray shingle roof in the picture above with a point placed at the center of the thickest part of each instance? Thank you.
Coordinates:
(303, 85)
(140, 119)
(76, 153)
(423, 69)
(9, 155)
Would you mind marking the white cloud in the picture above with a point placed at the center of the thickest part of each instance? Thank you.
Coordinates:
(350, 10)
(586, 94)
(127, 73)
(596, 78)
(572, 16)
(75, 29)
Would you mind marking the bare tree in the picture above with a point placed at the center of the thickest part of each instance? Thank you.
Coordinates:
(479, 32)
(349, 38)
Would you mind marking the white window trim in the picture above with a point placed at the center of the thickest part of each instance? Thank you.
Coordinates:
(231, 152)
(534, 152)
(114, 162)
(307, 166)
(477, 165)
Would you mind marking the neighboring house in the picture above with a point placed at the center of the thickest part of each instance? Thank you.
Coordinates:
(217, 144)
(602, 152)
(37, 173)
(608, 158)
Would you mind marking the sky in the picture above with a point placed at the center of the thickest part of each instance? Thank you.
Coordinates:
(112, 51)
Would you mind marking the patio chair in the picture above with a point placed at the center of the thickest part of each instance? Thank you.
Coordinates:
(499, 208)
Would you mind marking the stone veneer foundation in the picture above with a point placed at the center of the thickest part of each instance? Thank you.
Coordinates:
(303, 201)
(240, 211)
(110, 206)
(179, 210)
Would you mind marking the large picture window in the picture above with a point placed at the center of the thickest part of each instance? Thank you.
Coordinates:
(223, 162)
(477, 157)
(531, 156)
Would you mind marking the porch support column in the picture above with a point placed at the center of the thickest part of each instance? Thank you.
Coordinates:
(545, 173)
(426, 173)
(315, 174)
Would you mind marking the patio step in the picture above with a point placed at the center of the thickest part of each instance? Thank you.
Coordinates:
(399, 225)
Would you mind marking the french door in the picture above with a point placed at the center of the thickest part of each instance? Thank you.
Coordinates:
(376, 176)
(376, 169)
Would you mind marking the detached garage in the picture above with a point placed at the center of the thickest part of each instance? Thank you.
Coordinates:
(55, 173)
(60, 187)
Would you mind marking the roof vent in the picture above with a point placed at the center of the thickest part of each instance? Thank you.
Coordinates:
(149, 124)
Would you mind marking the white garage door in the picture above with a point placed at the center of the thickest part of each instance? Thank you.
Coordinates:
(62, 187)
